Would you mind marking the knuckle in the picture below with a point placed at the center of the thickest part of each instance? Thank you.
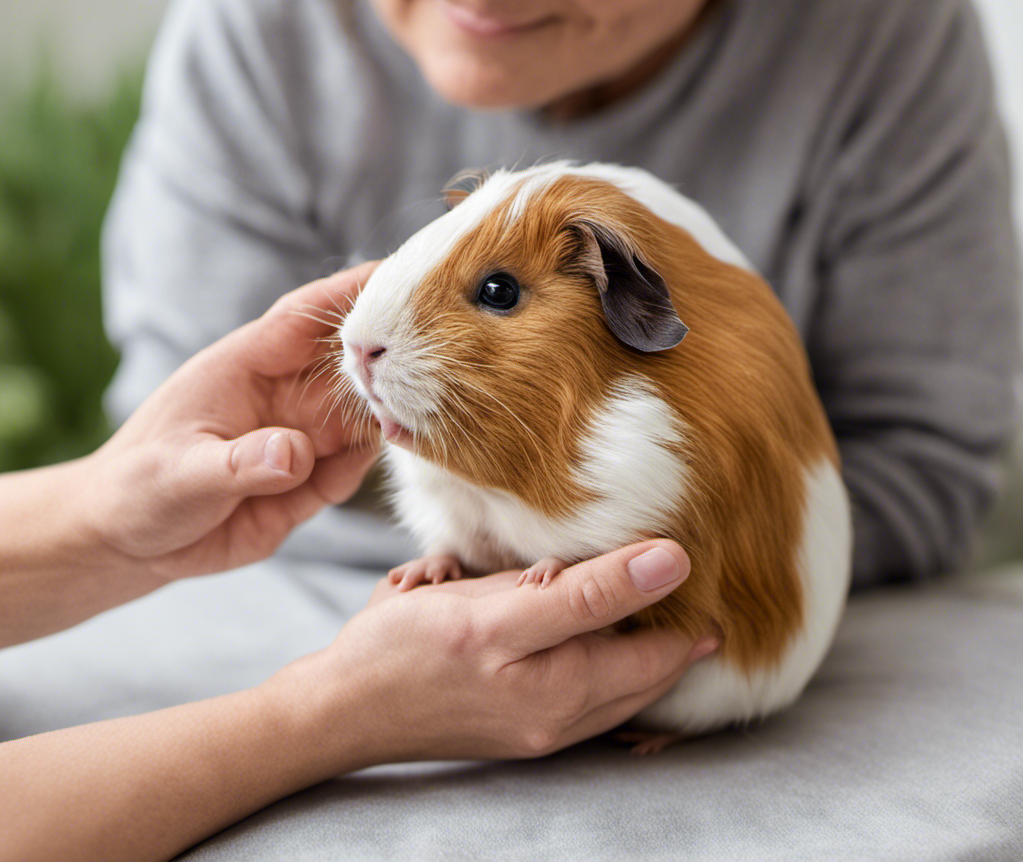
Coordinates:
(488, 632)
(570, 688)
(461, 635)
(465, 633)
(575, 703)
(538, 741)
(593, 600)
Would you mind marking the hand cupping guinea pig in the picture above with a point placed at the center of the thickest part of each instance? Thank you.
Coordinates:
(575, 358)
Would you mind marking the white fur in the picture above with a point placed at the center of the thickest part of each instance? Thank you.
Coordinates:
(660, 198)
(627, 464)
(713, 693)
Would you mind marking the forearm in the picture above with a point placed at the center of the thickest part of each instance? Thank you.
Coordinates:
(150, 786)
(54, 572)
(426, 674)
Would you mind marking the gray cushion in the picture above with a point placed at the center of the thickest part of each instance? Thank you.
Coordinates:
(908, 745)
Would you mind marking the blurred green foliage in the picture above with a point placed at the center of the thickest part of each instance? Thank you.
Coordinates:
(59, 155)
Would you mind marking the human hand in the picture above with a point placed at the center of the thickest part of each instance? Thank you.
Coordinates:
(481, 669)
(235, 449)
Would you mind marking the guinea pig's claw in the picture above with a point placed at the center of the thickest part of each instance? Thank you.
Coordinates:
(434, 568)
(542, 572)
(644, 743)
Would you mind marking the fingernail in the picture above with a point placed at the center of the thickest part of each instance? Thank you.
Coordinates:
(653, 569)
(277, 452)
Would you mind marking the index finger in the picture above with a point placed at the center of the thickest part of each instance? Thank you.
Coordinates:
(586, 597)
(639, 662)
(292, 331)
(632, 686)
(468, 587)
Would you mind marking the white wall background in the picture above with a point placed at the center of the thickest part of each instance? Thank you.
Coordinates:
(1003, 23)
(92, 37)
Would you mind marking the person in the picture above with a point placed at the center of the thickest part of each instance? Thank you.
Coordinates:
(212, 472)
(851, 150)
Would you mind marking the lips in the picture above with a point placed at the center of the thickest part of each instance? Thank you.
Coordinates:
(486, 26)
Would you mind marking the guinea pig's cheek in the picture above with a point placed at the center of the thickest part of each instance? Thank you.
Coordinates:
(398, 397)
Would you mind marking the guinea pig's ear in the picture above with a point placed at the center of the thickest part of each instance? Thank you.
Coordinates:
(635, 298)
(461, 185)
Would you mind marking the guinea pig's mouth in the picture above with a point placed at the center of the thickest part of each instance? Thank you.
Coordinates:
(394, 432)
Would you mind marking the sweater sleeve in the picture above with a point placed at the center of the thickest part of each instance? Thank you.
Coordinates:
(915, 337)
(211, 218)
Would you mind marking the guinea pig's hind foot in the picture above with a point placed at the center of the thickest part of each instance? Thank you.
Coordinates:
(542, 572)
(644, 743)
(433, 568)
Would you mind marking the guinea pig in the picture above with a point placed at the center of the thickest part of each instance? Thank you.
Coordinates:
(575, 358)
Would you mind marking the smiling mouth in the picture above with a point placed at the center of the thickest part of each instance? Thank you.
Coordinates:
(487, 27)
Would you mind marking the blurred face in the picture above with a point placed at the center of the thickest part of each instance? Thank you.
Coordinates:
(531, 53)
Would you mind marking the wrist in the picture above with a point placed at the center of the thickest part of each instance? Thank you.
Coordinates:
(47, 520)
(325, 715)
(84, 486)
(55, 568)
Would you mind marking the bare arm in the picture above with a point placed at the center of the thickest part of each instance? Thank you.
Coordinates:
(431, 674)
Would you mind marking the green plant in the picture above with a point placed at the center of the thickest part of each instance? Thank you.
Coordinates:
(58, 163)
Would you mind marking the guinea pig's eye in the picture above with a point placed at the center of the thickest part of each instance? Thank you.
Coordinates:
(499, 291)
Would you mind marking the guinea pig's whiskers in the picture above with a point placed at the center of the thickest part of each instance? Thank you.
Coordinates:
(434, 351)
(447, 420)
(319, 366)
(306, 373)
(343, 312)
(476, 445)
(313, 312)
(343, 392)
(353, 409)
(511, 412)
(335, 397)
(327, 364)
(442, 437)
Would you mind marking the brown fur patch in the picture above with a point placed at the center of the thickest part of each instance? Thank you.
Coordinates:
(739, 382)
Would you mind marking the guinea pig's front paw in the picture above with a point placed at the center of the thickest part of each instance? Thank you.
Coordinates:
(644, 743)
(542, 572)
(433, 568)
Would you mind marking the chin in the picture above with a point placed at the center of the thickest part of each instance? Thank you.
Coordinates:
(474, 85)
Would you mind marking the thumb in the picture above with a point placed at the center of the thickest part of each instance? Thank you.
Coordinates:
(265, 461)
(588, 596)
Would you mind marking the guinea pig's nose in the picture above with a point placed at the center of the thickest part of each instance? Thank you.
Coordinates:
(366, 356)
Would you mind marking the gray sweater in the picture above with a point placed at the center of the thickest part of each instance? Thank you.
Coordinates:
(849, 147)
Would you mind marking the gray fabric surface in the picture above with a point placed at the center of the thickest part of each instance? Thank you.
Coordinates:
(907, 746)
(191, 640)
(850, 148)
